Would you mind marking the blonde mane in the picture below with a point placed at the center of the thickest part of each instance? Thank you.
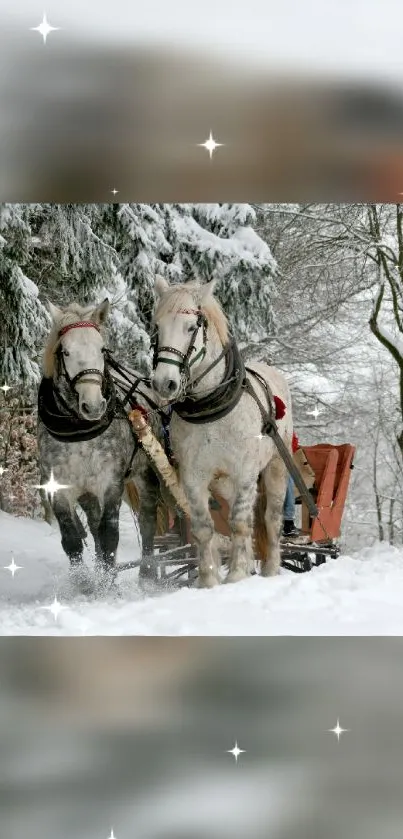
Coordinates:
(73, 313)
(177, 298)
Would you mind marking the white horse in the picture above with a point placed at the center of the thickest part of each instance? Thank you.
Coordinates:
(216, 428)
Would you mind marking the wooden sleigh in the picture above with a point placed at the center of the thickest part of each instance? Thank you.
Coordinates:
(326, 470)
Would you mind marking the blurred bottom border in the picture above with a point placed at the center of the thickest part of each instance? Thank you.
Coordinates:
(133, 737)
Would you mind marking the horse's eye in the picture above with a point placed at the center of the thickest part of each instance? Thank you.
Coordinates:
(66, 353)
(192, 329)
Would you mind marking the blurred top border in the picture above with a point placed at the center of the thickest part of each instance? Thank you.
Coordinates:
(96, 125)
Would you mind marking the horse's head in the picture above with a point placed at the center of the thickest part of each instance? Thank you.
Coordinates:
(75, 356)
(180, 335)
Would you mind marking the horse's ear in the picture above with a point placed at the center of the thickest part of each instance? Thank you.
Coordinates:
(100, 314)
(207, 291)
(54, 311)
(160, 285)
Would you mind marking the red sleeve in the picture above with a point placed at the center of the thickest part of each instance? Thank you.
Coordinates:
(295, 442)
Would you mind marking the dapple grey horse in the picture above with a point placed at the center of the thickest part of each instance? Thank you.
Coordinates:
(86, 443)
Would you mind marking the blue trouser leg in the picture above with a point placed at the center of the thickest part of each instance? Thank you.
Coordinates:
(289, 501)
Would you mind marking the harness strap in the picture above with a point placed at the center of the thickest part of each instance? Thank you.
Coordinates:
(211, 366)
(270, 428)
(134, 452)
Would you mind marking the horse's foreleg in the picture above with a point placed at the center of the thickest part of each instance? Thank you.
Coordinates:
(203, 531)
(275, 480)
(92, 509)
(108, 530)
(241, 523)
(72, 542)
(149, 496)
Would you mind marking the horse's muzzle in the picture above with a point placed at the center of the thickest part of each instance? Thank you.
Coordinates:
(93, 411)
(167, 388)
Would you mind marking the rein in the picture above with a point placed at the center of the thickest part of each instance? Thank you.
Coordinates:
(126, 374)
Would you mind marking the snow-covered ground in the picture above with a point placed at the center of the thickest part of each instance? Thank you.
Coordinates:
(361, 594)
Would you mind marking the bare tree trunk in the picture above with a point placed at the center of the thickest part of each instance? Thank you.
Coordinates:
(390, 269)
(391, 523)
(378, 503)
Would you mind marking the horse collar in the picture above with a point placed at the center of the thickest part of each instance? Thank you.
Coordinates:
(63, 423)
(224, 398)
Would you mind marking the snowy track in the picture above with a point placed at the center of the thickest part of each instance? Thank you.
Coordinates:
(360, 595)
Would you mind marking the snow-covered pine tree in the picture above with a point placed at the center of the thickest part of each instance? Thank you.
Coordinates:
(144, 251)
(128, 339)
(218, 240)
(136, 234)
(74, 255)
(185, 242)
(23, 318)
(81, 252)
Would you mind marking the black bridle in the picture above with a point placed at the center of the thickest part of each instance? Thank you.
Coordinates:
(89, 371)
(185, 361)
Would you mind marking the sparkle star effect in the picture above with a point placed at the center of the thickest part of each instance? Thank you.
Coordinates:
(52, 486)
(210, 145)
(44, 28)
(5, 388)
(338, 730)
(112, 836)
(314, 413)
(55, 608)
(114, 191)
(236, 751)
(12, 567)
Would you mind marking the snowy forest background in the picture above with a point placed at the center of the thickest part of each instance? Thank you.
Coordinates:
(317, 290)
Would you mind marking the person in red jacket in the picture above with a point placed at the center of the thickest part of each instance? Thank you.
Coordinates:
(289, 529)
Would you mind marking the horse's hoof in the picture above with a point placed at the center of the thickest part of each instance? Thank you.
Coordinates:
(269, 570)
(80, 579)
(105, 578)
(148, 572)
(236, 576)
(208, 581)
